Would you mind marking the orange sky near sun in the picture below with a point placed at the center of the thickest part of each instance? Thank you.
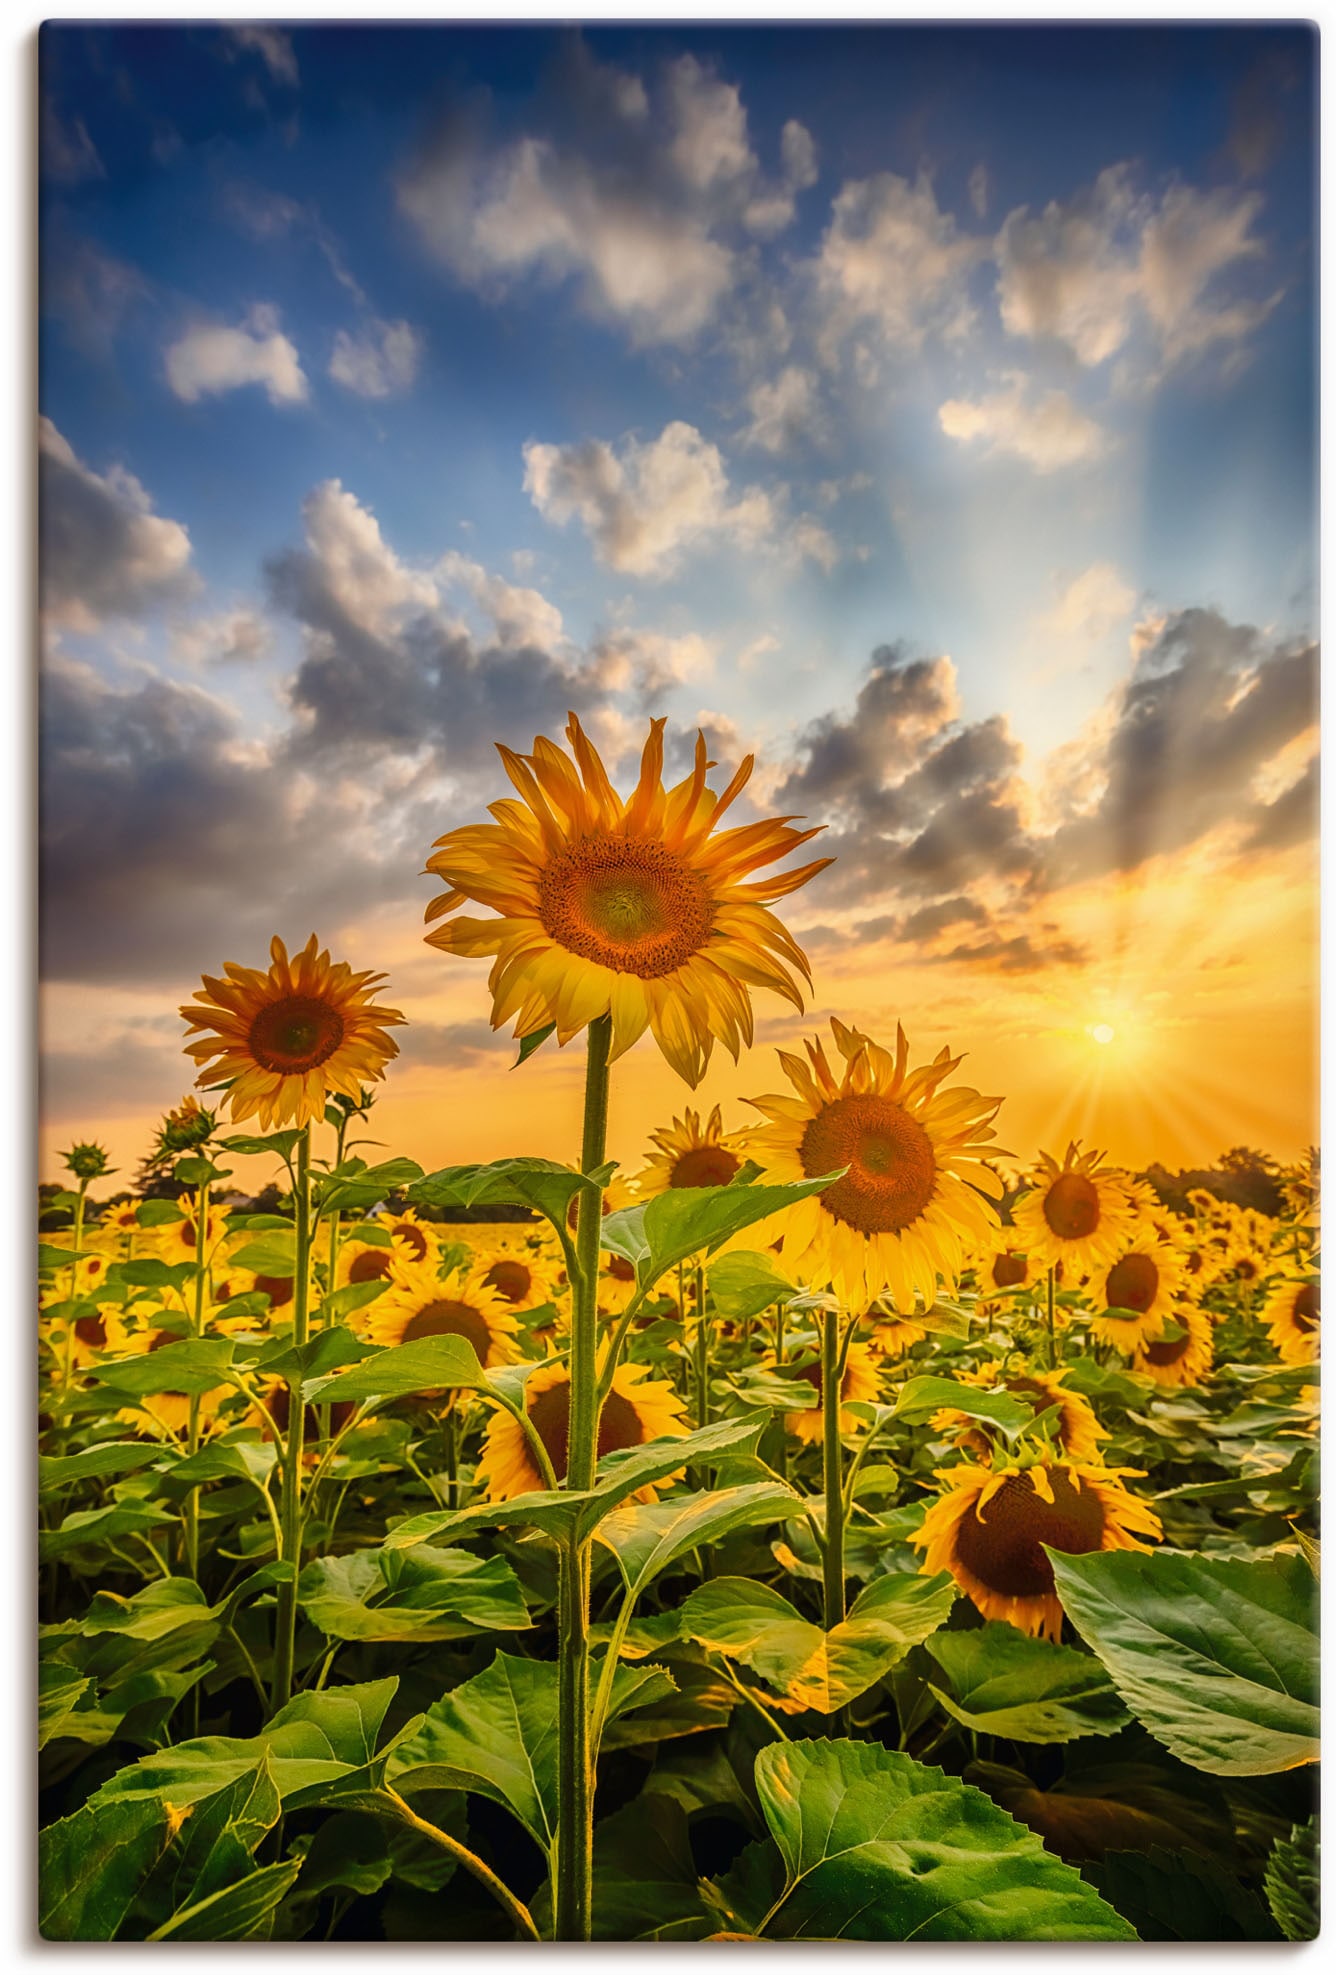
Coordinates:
(1206, 976)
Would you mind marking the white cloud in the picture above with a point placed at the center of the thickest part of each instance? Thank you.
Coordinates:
(518, 616)
(783, 410)
(810, 538)
(230, 636)
(893, 261)
(272, 46)
(652, 662)
(1091, 604)
(211, 358)
(643, 506)
(104, 552)
(797, 150)
(979, 190)
(1111, 261)
(379, 361)
(359, 570)
(1047, 432)
(710, 144)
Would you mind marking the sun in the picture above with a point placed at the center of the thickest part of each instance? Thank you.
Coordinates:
(1102, 1033)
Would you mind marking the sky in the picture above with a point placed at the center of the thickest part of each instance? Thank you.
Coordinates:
(929, 412)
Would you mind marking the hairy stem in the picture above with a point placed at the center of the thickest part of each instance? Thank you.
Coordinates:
(291, 1507)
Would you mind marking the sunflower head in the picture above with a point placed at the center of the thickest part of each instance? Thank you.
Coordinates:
(1078, 1213)
(989, 1526)
(1076, 1432)
(88, 1160)
(286, 1039)
(419, 1303)
(1182, 1360)
(693, 1152)
(638, 1409)
(860, 1385)
(910, 1155)
(1292, 1314)
(1136, 1292)
(519, 1274)
(635, 907)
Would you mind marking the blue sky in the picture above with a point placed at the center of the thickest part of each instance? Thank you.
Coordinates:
(406, 380)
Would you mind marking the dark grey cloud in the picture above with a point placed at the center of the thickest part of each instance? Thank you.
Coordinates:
(1015, 953)
(104, 552)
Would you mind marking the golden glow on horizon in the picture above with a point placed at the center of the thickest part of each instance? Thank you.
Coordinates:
(1103, 1033)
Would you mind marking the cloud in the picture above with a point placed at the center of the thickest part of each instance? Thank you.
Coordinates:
(643, 198)
(1047, 433)
(644, 505)
(978, 190)
(1113, 262)
(893, 262)
(1090, 605)
(272, 46)
(104, 552)
(226, 637)
(211, 358)
(68, 153)
(518, 616)
(88, 292)
(783, 411)
(380, 361)
(264, 214)
(650, 663)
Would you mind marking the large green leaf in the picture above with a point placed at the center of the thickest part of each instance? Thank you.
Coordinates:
(421, 1594)
(919, 1398)
(355, 1184)
(1218, 1657)
(1005, 1683)
(243, 1911)
(428, 1364)
(645, 1537)
(808, 1666)
(538, 1183)
(744, 1282)
(169, 1605)
(497, 1734)
(96, 1527)
(1180, 1896)
(691, 1220)
(646, 1886)
(59, 1690)
(90, 1866)
(1292, 1883)
(109, 1457)
(194, 1365)
(873, 1846)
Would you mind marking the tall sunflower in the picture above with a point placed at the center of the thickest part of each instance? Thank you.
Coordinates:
(909, 1204)
(520, 1275)
(1145, 1279)
(419, 1303)
(1181, 1360)
(860, 1384)
(1292, 1314)
(637, 1409)
(691, 1153)
(285, 1040)
(1077, 1432)
(632, 907)
(988, 1525)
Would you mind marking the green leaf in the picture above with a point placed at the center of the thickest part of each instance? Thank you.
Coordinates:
(248, 1146)
(873, 1846)
(1216, 1656)
(810, 1667)
(412, 1595)
(744, 1282)
(1116, 1805)
(1004, 1683)
(920, 1398)
(59, 1691)
(645, 1880)
(1292, 1883)
(646, 1537)
(98, 1526)
(341, 1303)
(497, 1735)
(90, 1867)
(210, 1857)
(428, 1364)
(158, 1213)
(198, 1172)
(539, 1183)
(533, 1041)
(148, 1272)
(367, 1187)
(1180, 1896)
(49, 1256)
(690, 1220)
(107, 1458)
(273, 1255)
(161, 1608)
(241, 1912)
(327, 1352)
(196, 1364)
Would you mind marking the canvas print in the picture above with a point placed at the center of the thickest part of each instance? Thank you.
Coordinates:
(678, 1216)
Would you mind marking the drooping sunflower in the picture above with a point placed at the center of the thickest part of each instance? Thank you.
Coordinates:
(690, 1152)
(630, 907)
(419, 1303)
(638, 1409)
(907, 1207)
(1292, 1313)
(290, 1037)
(1181, 1360)
(988, 1525)
(860, 1384)
(1076, 1434)
(1077, 1213)
(1146, 1279)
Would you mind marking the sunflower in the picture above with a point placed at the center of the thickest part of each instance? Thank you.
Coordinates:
(1076, 1432)
(166, 1415)
(629, 908)
(520, 1275)
(1000, 1266)
(988, 1524)
(892, 1336)
(860, 1384)
(637, 1409)
(284, 1041)
(692, 1153)
(1145, 1279)
(419, 1303)
(1291, 1315)
(179, 1241)
(272, 1415)
(368, 1261)
(1077, 1213)
(98, 1334)
(907, 1204)
(416, 1242)
(1181, 1360)
(1244, 1261)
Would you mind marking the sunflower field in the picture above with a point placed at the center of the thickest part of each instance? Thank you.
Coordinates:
(831, 1528)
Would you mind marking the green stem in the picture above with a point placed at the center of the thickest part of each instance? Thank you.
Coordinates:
(575, 1768)
(202, 1260)
(67, 1378)
(782, 1458)
(1052, 1327)
(702, 1353)
(451, 1425)
(833, 1469)
(291, 1509)
(501, 1893)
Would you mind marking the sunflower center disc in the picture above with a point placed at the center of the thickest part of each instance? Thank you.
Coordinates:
(445, 1317)
(1008, 1270)
(620, 1269)
(277, 1288)
(294, 1034)
(511, 1280)
(1002, 1549)
(1132, 1283)
(413, 1238)
(1304, 1313)
(892, 1170)
(706, 1165)
(550, 1412)
(1168, 1350)
(370, 1265)
(1071, 1206)
(91, 1330)
(631, 905)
